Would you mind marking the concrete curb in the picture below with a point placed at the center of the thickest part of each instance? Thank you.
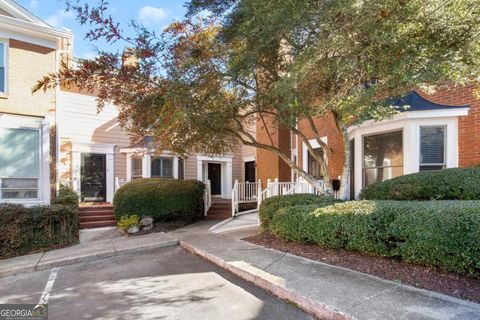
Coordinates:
(314, 308)
(39, 266)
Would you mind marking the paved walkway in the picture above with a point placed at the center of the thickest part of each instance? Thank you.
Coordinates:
(88, 251)
(324, 290)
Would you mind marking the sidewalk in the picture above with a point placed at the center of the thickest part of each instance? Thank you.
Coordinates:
(84, 252)
(326, 291)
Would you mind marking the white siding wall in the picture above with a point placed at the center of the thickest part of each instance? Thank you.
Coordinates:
(79, 122)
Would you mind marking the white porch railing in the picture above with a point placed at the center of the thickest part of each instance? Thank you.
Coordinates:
(119, 182)
(244, 192)
(251, 192)
(207, 197)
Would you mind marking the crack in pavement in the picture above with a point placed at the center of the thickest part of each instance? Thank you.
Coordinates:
(275, 261)
(371, 298)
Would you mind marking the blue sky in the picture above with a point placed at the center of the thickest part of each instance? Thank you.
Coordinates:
(154, 14)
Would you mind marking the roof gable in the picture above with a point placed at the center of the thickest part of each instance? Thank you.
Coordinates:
(12, 9)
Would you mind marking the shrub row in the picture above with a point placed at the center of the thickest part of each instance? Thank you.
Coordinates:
(25, 230)
(448, 184)
(271, 205)
(162, 199)
(443, 234)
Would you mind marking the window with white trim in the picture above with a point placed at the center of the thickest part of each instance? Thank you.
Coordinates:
(162, 167)
(136, 167)
(3, 66)
(382, 157)
(313, 167)
(19, 163)
(432, 148)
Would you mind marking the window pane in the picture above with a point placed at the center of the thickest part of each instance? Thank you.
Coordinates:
(155, 170)
(20, 194)
(432, 145)
(381, 174)
(136, 167)
(2, 54)
(167, 167)
(162, 167)
(19, 183)
(2, 79)
(313, 166)
(383, 150)
(383, 157)
(19, 153)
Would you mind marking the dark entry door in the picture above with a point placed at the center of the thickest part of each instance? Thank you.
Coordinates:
(215, 177)
(93, 177)
(250, 171)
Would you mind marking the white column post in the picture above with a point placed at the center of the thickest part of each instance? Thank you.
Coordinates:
(146, 166)
(228, 178)
(175, 167)
(259, 193)
(276, 192)
(358, 164)
(200, 171)
(129, 166)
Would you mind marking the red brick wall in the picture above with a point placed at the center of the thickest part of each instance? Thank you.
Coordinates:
(269, 165)
(326, 127)
(468, 126)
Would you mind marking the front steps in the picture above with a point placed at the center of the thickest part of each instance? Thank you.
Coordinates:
(96, 216)
(220, 209)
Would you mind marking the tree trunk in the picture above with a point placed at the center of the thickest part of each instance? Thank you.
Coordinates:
(344, 182)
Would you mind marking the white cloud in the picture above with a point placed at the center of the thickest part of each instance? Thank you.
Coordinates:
(34, 4)
(150, 15)
(58, 18)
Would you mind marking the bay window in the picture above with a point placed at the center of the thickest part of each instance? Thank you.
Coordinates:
(382, 157)
(162, 167)
(432, 148)
(19, 163)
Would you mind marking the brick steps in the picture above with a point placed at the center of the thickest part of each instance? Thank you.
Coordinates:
(96, 216)
(221, 209)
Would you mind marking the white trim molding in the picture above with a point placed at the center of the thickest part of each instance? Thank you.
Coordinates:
(410, 124)
(226, 163)
(314, 143)
(107, 149)
(43, 126)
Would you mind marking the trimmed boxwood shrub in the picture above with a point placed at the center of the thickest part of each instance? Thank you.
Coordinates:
(443, 234)
(448, 184)
(270, 205)
(162, 199)
(25, 230)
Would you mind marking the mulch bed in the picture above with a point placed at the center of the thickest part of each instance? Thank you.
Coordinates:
(405, 273)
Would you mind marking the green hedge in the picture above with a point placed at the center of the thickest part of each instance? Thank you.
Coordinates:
(66, 195)
(161, 199)
(443, 234)
(270, 205)
(25, 230)
(448, 184)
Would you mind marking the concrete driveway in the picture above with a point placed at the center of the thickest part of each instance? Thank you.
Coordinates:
(165, 284)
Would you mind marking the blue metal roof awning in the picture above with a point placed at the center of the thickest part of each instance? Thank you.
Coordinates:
(418, 103)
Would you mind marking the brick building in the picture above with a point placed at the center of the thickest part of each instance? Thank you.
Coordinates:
(441, 130)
